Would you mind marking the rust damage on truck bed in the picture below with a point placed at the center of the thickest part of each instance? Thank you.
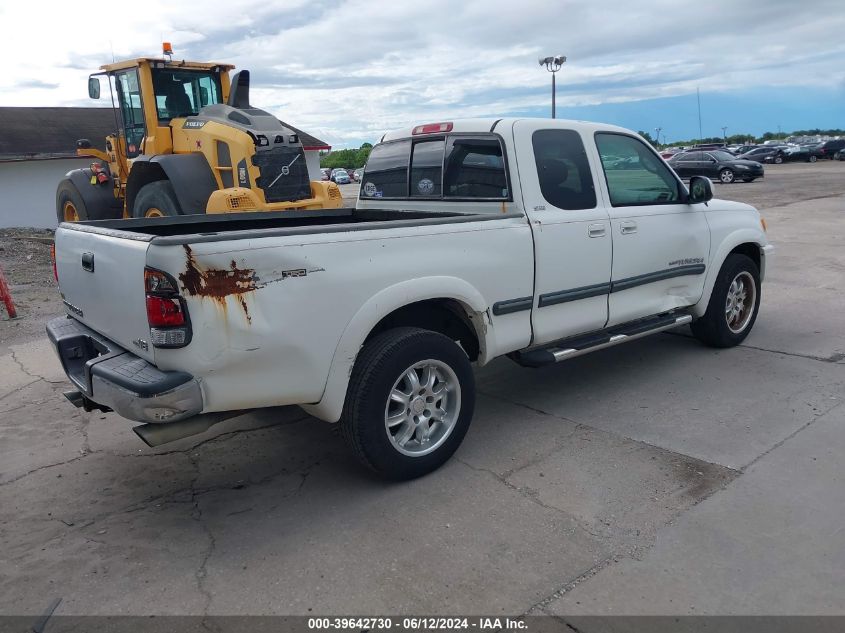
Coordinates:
(219, 285)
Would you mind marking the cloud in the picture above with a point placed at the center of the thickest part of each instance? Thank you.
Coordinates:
(36, 83)
(347, 71)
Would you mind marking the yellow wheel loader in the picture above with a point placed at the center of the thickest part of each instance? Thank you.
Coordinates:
(187, 141)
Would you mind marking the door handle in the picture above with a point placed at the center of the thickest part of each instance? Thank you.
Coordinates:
(627, 227)
(88, 262)
(596, 230)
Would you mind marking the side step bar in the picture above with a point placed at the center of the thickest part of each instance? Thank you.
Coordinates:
(584, 344)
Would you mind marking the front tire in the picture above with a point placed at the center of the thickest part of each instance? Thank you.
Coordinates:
(813, 159)
(410, 402)
(726, 176)
(156, 199)
(778, 160)
(733, 305)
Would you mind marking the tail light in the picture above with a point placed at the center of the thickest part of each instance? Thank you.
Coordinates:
(167, 314)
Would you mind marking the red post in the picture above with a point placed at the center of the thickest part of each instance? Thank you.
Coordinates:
(6, 296)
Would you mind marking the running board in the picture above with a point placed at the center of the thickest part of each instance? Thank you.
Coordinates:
(584, 344)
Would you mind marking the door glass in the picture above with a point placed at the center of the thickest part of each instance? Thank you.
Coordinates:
(565, 177)
(427, 168)
(635, 175)
(475, 168)
(386, 174)
(131, 111)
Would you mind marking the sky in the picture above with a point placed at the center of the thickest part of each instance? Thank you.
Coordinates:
(347, 71)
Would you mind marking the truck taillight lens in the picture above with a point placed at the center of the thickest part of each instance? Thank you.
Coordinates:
(166, 311)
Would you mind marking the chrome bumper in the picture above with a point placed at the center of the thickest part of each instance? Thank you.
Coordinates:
(109, 376)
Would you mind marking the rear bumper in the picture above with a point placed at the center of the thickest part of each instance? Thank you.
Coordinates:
(108, 375)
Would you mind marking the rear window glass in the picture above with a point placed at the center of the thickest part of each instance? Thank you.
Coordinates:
(565, 178)
(475, 168)
(427, 168)
(386, 175)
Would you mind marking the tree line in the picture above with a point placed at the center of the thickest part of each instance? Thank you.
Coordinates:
(346, 158)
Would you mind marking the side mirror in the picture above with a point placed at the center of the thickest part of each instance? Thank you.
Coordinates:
(94, 87)
(700, 190)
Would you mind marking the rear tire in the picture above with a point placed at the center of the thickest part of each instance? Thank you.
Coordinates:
(733, 305)
(156, 199)
(813, 159)
(69, 204)
(726, 176)
(401, 428)
(778, 160)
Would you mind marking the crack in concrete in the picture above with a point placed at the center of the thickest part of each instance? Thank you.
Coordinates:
(21, 388)
(45, 467)
(570, 585)
(790, 436)
(834, 358)
(17, 361)
(202, 571)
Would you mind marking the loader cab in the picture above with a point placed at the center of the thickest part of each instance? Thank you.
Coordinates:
(149, 93)
(182, 93)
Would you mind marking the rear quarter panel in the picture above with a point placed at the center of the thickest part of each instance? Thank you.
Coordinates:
(268, 333)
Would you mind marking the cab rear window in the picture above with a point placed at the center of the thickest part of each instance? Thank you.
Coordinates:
(457, 167)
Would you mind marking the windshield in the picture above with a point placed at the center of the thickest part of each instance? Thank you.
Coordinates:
(181, 93)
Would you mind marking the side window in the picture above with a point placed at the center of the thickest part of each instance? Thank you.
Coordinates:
(475, 168)
(386, 174)
(562, 167)
(131, 111)
(427, 168)
(633, 172)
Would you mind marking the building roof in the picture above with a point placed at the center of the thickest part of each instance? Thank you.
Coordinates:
(44, 133)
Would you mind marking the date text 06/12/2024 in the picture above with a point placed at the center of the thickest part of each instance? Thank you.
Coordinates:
(416, 623)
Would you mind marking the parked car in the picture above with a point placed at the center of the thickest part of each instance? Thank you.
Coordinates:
(840, 155)
(742, 149)
(762, 153)
(340, 177)
(325, 174)
(828, 149)
(372, 316)
(808, 152)
(716, 164)
(356, 175)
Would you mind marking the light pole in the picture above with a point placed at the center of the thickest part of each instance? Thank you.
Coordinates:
(553, 65)
(725, 132)
(657, 132)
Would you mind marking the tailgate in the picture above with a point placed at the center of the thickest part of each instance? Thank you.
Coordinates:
(101, 278)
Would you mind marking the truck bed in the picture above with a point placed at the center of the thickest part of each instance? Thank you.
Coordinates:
(210, 228)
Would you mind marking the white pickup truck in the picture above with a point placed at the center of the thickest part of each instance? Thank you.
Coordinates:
(533, 238)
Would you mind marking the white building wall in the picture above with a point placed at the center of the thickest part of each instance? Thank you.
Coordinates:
(28, 191)
(312, 159)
